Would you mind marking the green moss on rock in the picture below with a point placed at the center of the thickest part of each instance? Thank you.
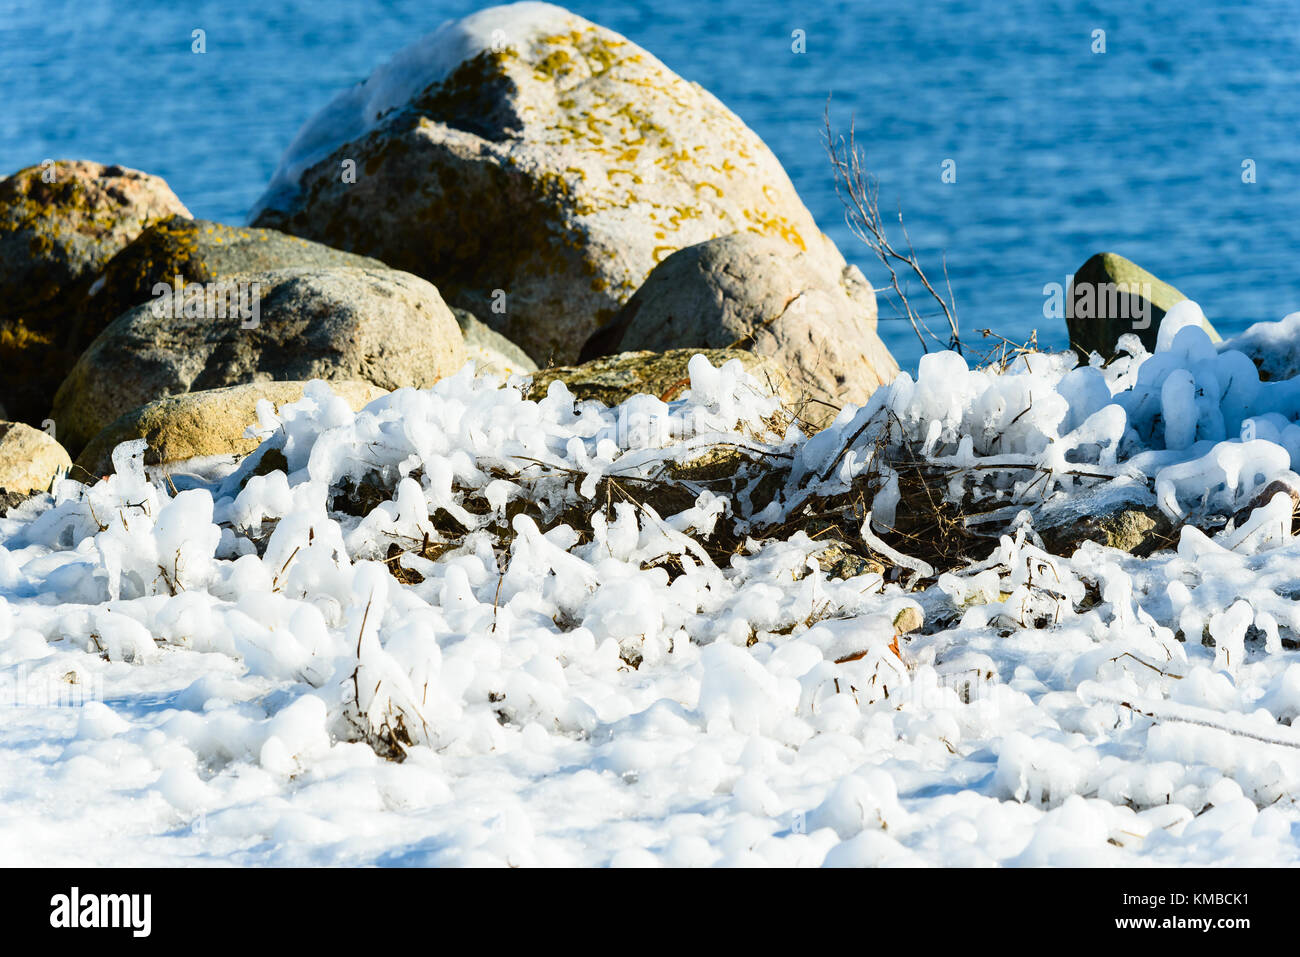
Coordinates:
(1112, 296)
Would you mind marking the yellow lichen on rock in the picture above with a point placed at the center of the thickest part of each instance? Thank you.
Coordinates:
(565, 148)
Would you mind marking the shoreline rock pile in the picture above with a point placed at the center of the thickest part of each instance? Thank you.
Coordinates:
(494, 195)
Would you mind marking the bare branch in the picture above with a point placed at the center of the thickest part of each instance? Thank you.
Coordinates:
(859, 193)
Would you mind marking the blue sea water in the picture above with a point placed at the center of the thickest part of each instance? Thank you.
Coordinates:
(1059, 151)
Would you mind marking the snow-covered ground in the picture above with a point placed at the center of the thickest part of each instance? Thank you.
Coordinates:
(223, 667)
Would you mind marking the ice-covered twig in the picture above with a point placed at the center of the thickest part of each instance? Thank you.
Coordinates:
(920, 568)
(1169, 711)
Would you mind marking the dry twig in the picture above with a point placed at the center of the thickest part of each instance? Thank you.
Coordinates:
(859, 192)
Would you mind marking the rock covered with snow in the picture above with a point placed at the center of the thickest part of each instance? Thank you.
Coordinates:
(815, 319)
(1274, 347)
(381, 326)
(537, 156)
(1138, 528)
(208, 424)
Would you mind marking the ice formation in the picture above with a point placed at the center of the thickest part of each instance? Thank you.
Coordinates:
(271, 678)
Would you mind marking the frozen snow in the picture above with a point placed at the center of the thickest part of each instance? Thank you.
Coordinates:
(211, 668)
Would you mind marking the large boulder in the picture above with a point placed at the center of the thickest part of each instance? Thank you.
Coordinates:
(202, 425)
(375, 325)
(614, 379)
(528, 156)
(1111, 296)
(814, 320)
(196, 250)
(59, 225)
(493, 353)
(30, 460)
